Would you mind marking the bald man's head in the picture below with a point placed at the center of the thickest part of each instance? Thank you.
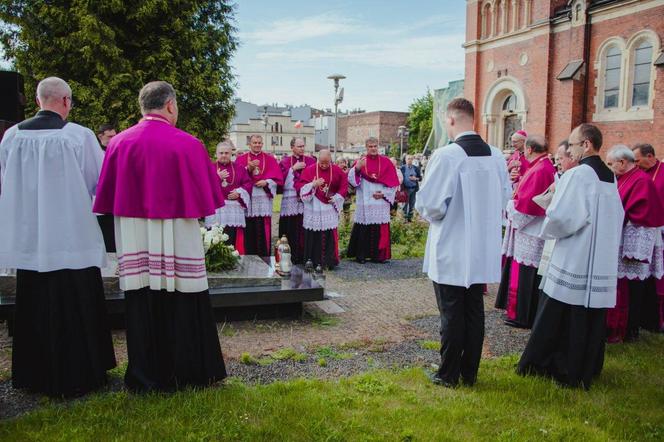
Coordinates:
(324, 157)
(54, 94)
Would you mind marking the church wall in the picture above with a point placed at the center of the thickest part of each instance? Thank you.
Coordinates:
(554, 107)
(630, 132)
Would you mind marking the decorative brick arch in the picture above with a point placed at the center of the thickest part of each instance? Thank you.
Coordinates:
(493, 114)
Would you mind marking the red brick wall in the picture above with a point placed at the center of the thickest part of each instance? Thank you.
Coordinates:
(554, 106)
(630, 132)
(356, 128)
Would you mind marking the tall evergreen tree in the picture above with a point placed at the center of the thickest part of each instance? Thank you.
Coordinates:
(107, 50)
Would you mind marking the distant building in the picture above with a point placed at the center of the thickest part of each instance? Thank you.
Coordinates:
(277, 132)
(355, 128)
(245, 111)
(324, 131)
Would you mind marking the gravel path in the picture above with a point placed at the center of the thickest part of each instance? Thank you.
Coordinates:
(328, 363)
(388, 312)
(396, 269)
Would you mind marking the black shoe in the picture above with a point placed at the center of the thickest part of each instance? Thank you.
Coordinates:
(436, 379)
(360, 260)
(468, 382)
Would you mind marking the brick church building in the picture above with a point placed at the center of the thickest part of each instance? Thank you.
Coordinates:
(548, 65)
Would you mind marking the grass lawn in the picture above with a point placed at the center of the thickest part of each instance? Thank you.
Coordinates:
(626, 403)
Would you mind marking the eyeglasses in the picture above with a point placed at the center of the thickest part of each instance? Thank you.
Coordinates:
(71, 101)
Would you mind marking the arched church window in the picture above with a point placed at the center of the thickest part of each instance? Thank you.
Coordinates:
(642, 69)
(612, 77)
(486, 21)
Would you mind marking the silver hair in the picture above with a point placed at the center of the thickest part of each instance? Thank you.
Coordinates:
(155, 95)
(52, 88)
(225, 143)
(371, 139)
(621, 152)
(566, 152)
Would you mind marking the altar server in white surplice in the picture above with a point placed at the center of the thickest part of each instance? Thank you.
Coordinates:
(585, 218)
(49, 169)
(465, 190)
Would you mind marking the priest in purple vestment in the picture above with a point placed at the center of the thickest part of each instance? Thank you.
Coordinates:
(641, 259)
(375, 179)
(522, 248)
(292, 208)
(653, 318)
(236, 189)
(266, 176)
(157, 181)
(322, 187)
(518, 163)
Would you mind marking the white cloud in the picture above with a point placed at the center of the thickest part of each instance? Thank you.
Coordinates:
(288, 30)
(430, 52)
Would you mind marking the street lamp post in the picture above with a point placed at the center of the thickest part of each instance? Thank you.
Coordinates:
(264, 125)
(338, 98)
(402, 132)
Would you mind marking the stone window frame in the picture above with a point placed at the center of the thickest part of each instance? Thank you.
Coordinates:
(625, 111)
(632, 44)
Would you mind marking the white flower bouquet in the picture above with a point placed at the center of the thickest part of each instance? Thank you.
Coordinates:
(219, 256)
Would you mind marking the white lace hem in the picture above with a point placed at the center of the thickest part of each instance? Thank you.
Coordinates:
(527, 249)
(632, 269)
(638, 242)
(244, 196)
(232, 215)
(261, 203)
(291, 205)
(368, 209)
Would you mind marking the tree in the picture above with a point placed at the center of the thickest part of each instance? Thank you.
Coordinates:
(107, 50)
(420, 122)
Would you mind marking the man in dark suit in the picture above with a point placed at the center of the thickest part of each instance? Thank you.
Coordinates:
(411, 184)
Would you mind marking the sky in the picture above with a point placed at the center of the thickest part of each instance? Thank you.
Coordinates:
(389, 50)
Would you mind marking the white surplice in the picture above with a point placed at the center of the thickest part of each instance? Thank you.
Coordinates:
(369, 210)
(463, 199)
(585, 218)
(48, 178)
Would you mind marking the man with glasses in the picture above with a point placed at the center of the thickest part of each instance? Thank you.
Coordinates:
(49, 170)
(585, 218)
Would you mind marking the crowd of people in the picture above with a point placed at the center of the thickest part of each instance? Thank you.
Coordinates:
(116, 199)
(576, 247)
(579, 259)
